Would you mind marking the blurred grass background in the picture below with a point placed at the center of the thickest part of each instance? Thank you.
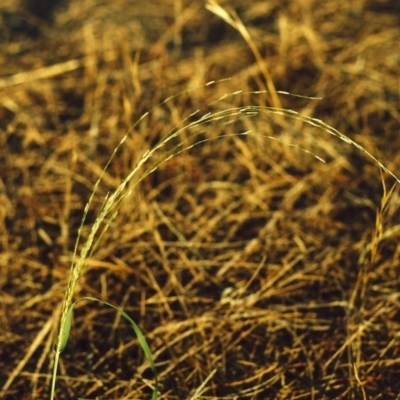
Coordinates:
(242, 255)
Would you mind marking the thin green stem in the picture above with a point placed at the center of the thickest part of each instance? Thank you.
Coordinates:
(54, 376)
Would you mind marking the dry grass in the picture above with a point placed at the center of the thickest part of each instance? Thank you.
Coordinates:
(254, 270)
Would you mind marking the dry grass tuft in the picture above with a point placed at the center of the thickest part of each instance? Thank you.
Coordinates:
(254, 270)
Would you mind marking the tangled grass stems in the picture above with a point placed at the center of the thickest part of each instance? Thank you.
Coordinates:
(113, 201)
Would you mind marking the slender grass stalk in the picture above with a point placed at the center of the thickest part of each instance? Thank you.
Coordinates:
(152, 159)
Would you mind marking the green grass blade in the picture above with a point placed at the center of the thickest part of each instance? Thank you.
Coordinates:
(67, 329)
(141, 338)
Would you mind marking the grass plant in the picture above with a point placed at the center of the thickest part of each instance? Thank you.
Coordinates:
(113, 201)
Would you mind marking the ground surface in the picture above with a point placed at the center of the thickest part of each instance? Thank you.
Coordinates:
(244, 259)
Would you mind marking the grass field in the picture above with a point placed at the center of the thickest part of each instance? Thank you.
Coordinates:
(261, 263)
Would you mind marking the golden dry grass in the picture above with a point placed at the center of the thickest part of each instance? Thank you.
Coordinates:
(243, 260)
